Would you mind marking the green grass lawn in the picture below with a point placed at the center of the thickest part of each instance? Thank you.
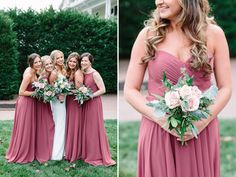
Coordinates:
(56, 168)
(128, 148)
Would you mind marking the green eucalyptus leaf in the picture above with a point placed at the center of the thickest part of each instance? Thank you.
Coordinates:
(173, 122)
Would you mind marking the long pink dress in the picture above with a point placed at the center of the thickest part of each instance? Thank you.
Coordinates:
(22, 143)
(44, 132)
(74, 128)
(159, 153)
(95, 147)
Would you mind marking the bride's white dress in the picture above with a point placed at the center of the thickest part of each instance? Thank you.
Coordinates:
(59, 117)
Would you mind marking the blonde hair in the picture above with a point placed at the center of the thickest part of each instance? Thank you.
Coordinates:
(193, 20)
(53, 56)
(44, 58)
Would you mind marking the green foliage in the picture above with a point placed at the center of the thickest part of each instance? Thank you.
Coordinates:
(68, 31)
(131, 18)
(133, 14)
(9, 77)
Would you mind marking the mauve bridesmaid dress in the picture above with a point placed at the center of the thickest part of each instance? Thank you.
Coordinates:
(95, 147)
(22, 143)
(74, 128)
(159, 153)
(44, 132)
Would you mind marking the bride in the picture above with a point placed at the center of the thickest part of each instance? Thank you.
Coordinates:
(58, 106)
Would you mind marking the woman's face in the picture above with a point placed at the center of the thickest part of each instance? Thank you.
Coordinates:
(168, 9)
(59, 59)
(37, 65)
(85, 63)
(48, 65)
(72, 63)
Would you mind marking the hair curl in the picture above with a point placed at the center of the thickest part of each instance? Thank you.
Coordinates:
(193, 19)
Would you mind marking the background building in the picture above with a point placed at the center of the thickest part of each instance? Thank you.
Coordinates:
(102, 8)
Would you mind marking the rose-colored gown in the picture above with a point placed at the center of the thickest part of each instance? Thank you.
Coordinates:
(95, 147)
(74, 128)
(159, 153)
(44, 132)
(22, 143)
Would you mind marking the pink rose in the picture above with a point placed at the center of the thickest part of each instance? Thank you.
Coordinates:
(172, 99)
(41, 85)
(191, 103)
(83, 89)
(196, 92)
(48, 93)
(185, 91)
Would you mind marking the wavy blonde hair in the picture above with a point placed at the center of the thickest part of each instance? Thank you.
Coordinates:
(53, 57)
(193, 19)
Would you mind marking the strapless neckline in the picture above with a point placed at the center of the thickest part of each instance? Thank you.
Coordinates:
(177, 58)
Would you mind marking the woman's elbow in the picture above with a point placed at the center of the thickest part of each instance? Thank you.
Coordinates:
(126, 93)
(21, 93)
(103, 90)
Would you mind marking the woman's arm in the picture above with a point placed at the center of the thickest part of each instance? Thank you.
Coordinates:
(222, 73)
(79, 78)
(100, 84)
(52, 77)
(134, 80)
(24, 84)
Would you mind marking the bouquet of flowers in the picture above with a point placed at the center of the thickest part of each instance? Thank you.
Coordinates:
(83, 93)
(62, 86)
(71, 88)
(183, 104)
(43, 90)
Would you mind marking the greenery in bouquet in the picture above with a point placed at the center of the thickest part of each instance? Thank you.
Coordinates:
(62, 86)
(83, 94)
(183, 103)
(43, 90)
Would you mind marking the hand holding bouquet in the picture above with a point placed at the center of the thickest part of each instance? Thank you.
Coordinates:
(183, 104)
(82, 94)
(43, 90)
(62, 87)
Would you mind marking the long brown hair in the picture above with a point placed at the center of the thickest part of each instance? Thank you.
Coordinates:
(68, 69)
(193, 19)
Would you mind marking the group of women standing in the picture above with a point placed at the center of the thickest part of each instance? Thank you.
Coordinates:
(62, 128)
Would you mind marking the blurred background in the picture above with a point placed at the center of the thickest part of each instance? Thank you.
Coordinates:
(131, 17)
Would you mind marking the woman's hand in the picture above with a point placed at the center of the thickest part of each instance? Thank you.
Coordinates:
(162, 121)
(61, 97)
(200, 125)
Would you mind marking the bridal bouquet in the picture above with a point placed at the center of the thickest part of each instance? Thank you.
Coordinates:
(62, 86)
(43, 90)
(82, 94)
(183, 104)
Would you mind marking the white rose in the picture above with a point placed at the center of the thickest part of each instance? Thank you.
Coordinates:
(191, 103)
(172, 99)
(185, 91)
(196, 92)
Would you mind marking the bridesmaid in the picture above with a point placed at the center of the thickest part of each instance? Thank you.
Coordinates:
(22, 143)
(74, 119)
(58, 107)
(95, 147)
(44, 121)
(180, 34)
